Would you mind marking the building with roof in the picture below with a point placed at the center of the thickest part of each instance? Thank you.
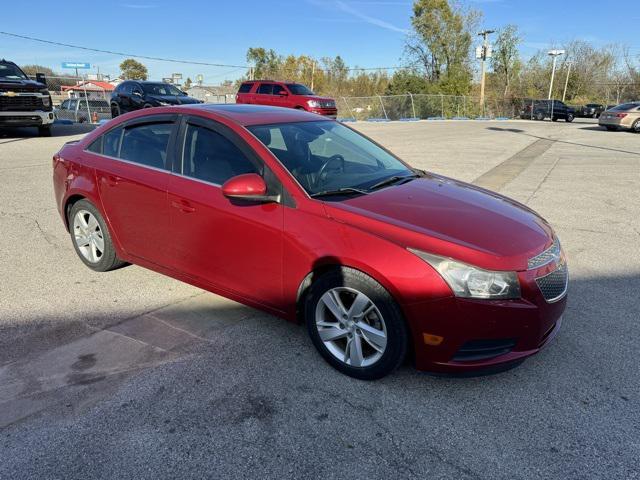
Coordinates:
(92, 89)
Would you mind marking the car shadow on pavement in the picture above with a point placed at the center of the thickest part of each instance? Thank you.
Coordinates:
(15, 134)
(205, 372)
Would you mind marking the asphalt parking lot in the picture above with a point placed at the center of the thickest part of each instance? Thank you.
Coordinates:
(130, 374)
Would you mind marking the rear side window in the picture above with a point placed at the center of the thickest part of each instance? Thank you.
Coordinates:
(146, 144)
(111, 142)
(245, 88)
(211, 157)
(278, 89)
(265, 88)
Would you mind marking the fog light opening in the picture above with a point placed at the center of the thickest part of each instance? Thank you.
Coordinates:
(433, 340)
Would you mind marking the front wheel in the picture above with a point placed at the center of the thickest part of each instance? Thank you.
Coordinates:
(569, 118)
(636, 126)
(91, 237)
(355, 324)
(540, 116)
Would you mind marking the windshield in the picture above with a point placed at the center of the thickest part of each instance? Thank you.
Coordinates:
(299, 89)
(11, 72)
(161, 89)
(326, 156)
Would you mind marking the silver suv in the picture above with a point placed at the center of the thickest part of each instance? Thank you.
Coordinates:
(77, 110)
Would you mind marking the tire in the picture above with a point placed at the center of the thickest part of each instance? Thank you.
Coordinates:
(635, 128)
(569, 118)
(147, 105)
(44, 131)
(382, 324)
(115, 110)
(540, 116)
(101, 238)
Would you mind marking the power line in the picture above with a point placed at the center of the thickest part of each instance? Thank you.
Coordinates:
(111, 52)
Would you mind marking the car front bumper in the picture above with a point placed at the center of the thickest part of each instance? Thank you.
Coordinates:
(326, 112)
(477, 335)
(26, 119)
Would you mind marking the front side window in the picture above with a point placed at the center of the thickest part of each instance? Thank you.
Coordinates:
(211, 157)
(325, 156)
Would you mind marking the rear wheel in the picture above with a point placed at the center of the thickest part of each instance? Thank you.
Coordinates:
(91, 237)
(355, 324)
(569, 118)
(540, 116)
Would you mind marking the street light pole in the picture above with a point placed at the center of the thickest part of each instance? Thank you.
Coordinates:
(566, 82)
(555, 54)
(483, 58)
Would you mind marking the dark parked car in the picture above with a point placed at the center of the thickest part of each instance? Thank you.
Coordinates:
(134, 95)
(541, 109)
(77, 110)
(590, 110)
(286, 94)
(305, 218)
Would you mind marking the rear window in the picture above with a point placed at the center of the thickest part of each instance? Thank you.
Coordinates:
(625, 106)
(245, 88)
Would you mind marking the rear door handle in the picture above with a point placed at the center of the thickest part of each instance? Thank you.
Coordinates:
(183, 206)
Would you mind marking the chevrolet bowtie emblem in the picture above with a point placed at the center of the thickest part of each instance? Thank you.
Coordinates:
(10, 94)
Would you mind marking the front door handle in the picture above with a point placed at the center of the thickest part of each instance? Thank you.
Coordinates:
(112, 180)
(183, 206)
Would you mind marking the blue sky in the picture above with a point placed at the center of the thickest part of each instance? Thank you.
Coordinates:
(367, 33)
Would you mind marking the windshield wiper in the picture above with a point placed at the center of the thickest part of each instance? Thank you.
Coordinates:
(340, 191)
(392, 180)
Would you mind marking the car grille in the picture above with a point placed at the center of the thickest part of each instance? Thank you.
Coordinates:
(327, 104)
(553, 286)
(549, 255)
(475, 350)
(22, 103)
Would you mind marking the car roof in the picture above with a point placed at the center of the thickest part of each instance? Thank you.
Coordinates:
(253, 114)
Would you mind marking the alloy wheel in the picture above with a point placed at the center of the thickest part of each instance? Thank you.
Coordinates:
(351, 327)
(88, 236)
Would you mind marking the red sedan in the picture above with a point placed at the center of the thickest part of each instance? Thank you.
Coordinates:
(305, 218)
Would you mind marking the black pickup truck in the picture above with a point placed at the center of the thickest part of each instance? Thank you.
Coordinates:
(541, 109)
(24, 102)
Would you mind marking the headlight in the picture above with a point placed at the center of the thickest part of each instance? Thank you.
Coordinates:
(163, 104)
(313, 103)
(46, 101)
(468, 281)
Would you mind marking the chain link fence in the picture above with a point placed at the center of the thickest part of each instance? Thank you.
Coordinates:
(82, 99)
(426, 107)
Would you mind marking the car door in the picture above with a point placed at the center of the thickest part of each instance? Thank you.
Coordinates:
(235, 246)
(132, 175)
(263, 94)
(280, 96)
(136, 99)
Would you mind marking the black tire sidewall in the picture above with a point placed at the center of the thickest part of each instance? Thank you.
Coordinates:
(109, 260)
(635, 128)
(397, 331)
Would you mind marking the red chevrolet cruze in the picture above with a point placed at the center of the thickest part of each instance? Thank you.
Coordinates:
(301, 216)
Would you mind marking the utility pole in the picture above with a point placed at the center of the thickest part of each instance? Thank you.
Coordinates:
(555, 54)
(566, 82)
(483, 53)
(313, 71)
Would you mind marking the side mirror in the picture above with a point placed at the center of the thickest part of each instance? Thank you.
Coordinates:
(41, 78)
(137, 93)
(250, 187)
(283, 93)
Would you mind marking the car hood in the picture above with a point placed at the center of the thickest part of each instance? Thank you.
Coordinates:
(319, 98)
(450, 218)
(175, 99)
(20, 85)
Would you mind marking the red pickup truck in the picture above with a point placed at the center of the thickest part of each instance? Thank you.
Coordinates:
(284, 94)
